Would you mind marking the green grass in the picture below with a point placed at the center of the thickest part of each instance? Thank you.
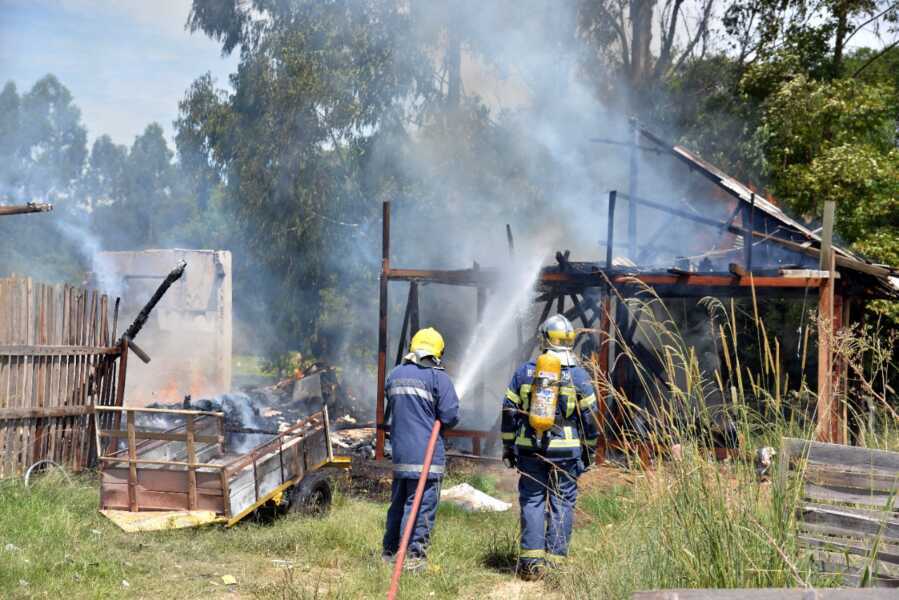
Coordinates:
(690, 524)
(61, 546)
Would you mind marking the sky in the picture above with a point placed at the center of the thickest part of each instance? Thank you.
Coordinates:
(127, 63)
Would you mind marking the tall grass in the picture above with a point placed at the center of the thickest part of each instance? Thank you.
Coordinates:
(694, 522)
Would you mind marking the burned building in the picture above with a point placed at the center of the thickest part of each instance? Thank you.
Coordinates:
(702, 234)
(189, 335)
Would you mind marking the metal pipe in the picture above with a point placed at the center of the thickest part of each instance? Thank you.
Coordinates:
(413, 515)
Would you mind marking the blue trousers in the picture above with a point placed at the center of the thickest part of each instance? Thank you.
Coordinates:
(547, 492)
(402, 494)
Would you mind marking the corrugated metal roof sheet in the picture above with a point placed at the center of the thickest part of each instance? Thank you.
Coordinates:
(887, 274)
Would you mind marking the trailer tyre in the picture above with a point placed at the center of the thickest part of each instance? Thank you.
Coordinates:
(313, 495)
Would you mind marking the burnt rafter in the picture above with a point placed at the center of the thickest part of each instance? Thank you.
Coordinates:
(22, 209)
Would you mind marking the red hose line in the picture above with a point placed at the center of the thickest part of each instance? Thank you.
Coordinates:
(413, 515)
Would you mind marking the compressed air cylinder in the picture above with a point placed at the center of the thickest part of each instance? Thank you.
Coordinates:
(545, 393)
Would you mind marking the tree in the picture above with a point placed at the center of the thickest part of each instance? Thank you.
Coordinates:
(817, 34)
(138, 192)
(836, 140)
(104, 180)
(317, 84)
(620, 33)
(52, 141)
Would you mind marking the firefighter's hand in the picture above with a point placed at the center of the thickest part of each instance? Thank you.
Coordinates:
(510, 457)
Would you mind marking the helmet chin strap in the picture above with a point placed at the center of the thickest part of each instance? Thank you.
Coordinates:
(566, 356)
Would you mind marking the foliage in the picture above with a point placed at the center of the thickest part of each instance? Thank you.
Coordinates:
(336, 106)
(293, 144)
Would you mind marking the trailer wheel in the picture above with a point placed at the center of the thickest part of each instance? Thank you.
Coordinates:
(313, 495)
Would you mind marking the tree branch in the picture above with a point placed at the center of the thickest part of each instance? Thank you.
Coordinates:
(893, 6)
(873, 58)
(668, 39)
(700, 31)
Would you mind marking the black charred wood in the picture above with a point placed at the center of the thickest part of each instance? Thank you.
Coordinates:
(141, 319)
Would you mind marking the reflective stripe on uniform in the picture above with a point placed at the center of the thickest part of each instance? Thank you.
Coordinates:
(528, 553)
(569, 441)
(508, 437)
(417, 468)
(587, 402)
(570, 394)
(523, 440)
(409, 387)
(555, 558)
(513, 397)
(524, 392)
(563, 443)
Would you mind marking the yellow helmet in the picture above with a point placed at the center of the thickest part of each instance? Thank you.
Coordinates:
(427, 342)
(557, 333)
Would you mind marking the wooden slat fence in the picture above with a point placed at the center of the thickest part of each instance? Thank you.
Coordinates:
(849, 515)
(56, 363)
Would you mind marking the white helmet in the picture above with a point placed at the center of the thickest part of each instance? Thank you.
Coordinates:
(557, 335)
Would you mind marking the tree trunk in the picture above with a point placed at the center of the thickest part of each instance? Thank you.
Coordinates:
(641, 12)
(453, 63)
(842, 14)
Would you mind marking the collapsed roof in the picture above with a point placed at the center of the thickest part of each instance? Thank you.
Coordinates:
(879, 280)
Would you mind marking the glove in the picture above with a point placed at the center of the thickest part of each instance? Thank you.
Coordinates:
(510, 457)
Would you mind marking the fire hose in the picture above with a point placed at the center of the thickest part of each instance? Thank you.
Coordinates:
(413, 515)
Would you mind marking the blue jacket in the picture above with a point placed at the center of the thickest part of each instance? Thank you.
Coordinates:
(416, 396)
(576, 422)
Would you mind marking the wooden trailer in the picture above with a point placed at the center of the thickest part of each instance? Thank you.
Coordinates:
(166, 468)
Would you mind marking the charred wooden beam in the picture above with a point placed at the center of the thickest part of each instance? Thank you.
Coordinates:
(461, 277)
(749, 227)
(610, 234)
(31, 207)
(382, 331)
(139, 352)
(141, 319)
(633, 192)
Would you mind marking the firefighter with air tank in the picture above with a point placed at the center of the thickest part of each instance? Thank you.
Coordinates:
(549, 432)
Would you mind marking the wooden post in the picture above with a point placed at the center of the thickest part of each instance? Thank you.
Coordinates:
(830, 312)
(748, 228)
(480, 307)
(633, 192)
(220, 421)
(191, 466)
(404, 330)
(132, 465)
(120, 390)
(414, 323)
(610, 235)
(603, 379)
(519, 326)
(382, 332)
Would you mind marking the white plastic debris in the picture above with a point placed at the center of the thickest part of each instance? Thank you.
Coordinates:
(472, 499)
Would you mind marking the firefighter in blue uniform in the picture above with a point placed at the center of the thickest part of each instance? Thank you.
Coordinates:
(549, 465)
(418, 392)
